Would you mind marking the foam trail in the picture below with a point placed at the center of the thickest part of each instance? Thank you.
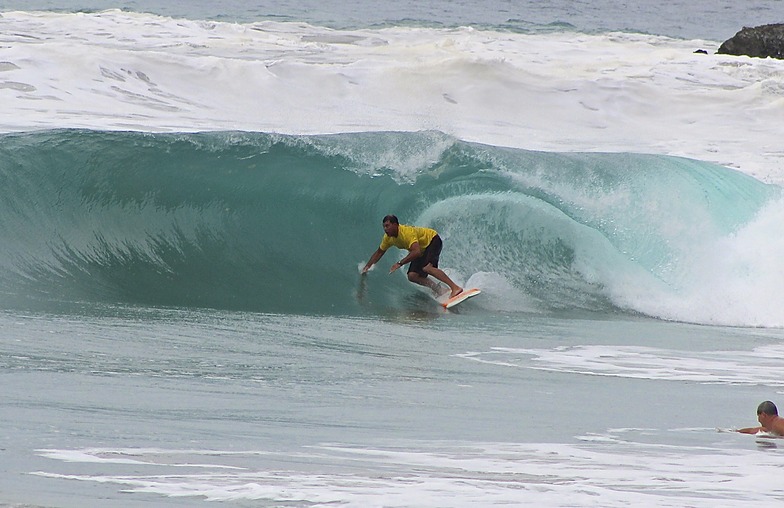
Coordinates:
(759, 367)
(459, 475)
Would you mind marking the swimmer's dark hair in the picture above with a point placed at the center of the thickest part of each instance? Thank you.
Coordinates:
(768, 408)
(390, 218)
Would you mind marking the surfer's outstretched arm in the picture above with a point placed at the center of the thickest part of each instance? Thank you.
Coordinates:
(373, 260)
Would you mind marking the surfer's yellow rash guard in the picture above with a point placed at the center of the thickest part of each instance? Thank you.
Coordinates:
(406, 236)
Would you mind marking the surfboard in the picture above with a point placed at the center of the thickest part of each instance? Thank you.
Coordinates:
(465, 295)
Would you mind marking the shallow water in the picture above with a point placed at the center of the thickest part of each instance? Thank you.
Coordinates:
(407, 410)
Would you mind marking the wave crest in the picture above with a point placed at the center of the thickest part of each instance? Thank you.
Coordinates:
(279, 223)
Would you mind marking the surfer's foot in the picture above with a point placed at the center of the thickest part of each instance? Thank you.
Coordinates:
(455, 292)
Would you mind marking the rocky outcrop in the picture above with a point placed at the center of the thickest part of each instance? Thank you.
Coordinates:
(761, 41)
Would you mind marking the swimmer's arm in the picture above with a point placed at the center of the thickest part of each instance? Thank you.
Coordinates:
(750, 430)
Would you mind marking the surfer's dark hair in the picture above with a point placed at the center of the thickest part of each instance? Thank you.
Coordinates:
(390, 218)
(768, 408)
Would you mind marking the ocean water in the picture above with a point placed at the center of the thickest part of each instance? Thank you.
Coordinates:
(188, 192)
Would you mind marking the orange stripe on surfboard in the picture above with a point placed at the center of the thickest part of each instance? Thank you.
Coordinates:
(464, 295)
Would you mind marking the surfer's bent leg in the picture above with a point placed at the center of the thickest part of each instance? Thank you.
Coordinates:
(427, 264)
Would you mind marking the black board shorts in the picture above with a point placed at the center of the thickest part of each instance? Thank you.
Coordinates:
(429, 256)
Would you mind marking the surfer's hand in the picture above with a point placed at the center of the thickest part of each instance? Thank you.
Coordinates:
(394, 267)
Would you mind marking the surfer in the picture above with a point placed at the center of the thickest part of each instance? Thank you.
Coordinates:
(770, 421)
(424, 248)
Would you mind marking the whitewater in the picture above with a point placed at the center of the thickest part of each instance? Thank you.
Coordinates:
(551, 91)
(188, 190)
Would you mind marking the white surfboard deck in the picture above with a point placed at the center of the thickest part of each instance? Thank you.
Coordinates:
(465, 295)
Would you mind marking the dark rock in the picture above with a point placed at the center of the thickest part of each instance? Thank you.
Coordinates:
(760, 41)
(701, 52)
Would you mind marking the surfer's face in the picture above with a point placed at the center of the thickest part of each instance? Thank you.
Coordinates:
(390, 228)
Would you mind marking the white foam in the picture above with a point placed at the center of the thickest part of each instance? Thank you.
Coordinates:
(499, 295)
(732, 280)
(611, 472)
(134, 456)
(555, 92)
(762, 366)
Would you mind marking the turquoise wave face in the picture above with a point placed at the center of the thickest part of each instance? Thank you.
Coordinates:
(276, 223)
